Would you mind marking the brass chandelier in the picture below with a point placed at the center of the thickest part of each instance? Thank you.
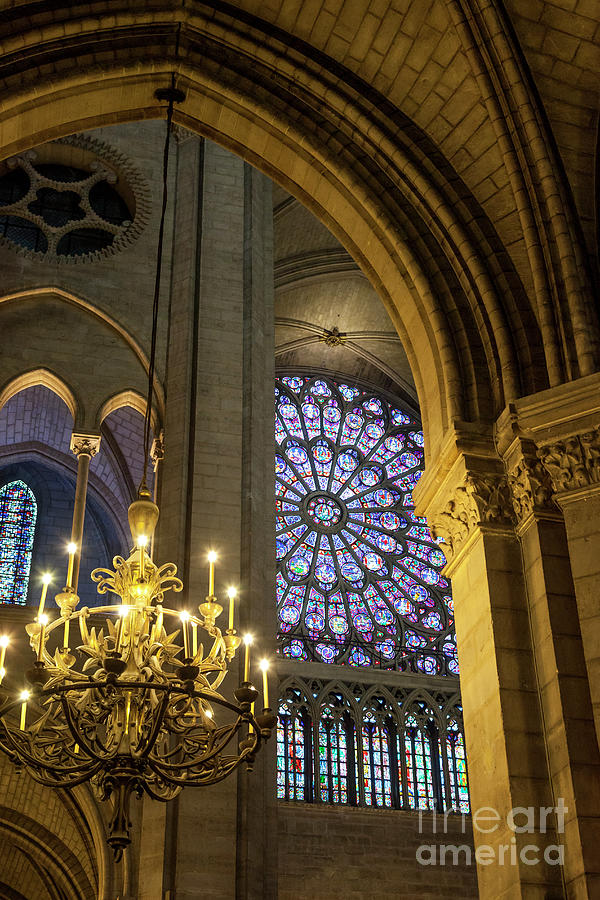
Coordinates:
(134, 707)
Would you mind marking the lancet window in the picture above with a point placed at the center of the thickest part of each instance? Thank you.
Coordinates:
(388, 749)
(18, 512)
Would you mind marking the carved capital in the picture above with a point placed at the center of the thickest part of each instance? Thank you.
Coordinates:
(531, 488)
(86, 444)
(157, 451)
(573, 462)
(480, 500)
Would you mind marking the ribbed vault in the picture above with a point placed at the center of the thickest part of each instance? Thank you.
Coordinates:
(483, 318)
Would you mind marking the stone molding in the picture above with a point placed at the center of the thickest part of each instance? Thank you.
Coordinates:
(574, 462)
(481, 500)
(315, 264)
(85, 444)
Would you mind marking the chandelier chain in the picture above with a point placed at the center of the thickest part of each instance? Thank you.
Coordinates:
(156, 301)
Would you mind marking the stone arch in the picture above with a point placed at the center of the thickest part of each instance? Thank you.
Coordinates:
(47, 843)
(44, 378)
(134, 361)
(123, 399)
(367, 172)
(121, 422)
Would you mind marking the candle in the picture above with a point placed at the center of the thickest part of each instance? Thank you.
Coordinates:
(46, 579)
(4, 642)
(184, 616)
(24, 698)
(66, 637)
(71, 550)
(247, 641)
(43, 620)
(141, 542)
(212, 558)
(264, 667)
(250, 725)
(194, 639)
(232, 593)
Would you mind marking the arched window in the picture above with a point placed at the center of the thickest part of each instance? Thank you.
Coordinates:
(359, 576)
(378, 735)
(337, 753)
(456, 760)
(294, 749)
(18, 511)
(424, 778)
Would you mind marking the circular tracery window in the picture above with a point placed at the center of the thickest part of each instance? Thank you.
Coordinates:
(359, 576)
(71, 211)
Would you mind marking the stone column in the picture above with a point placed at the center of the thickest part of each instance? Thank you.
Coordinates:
(84, 446)
(567, 715)
(215, 490)
(257, 810)
(573, 464)
(468, 504)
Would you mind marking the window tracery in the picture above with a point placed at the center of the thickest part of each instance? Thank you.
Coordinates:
(390, 749)
(75, 199)
(359, 576)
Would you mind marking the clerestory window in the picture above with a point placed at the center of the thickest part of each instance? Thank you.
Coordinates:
(18, 512)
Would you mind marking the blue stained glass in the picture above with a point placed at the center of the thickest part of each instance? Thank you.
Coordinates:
(457, 768)
(347, 537)
(377, 776)
(295, 650)
(419, 770)
(359, 658)
(18, 513)
(348, 393)
(293, 383)
(321, 389)
(326, 652)
(291, 754)
(333, 756)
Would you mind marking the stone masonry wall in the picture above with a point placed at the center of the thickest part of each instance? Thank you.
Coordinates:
(344, 853)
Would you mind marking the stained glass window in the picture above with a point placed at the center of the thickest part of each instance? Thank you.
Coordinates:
(377, 735)
(18, 511)
(384, 748)
(294, 752)
(359, 576)
(337, 756)
(457, 768)
(420, 761)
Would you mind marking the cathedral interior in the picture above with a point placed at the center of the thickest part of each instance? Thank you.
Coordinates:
(317, 280)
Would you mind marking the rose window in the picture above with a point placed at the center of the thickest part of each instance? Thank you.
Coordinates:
(359, 576)
(60, 209)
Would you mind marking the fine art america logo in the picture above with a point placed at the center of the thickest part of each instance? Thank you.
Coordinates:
(487, 820)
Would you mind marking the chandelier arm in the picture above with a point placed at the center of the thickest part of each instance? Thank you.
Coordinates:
(24, 756)
(210, 754)
(211, 777)
(154, 733)
(59, 781)
(75, 731)
(163, 798)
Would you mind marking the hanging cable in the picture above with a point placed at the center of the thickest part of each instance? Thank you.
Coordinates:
(172, 95)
